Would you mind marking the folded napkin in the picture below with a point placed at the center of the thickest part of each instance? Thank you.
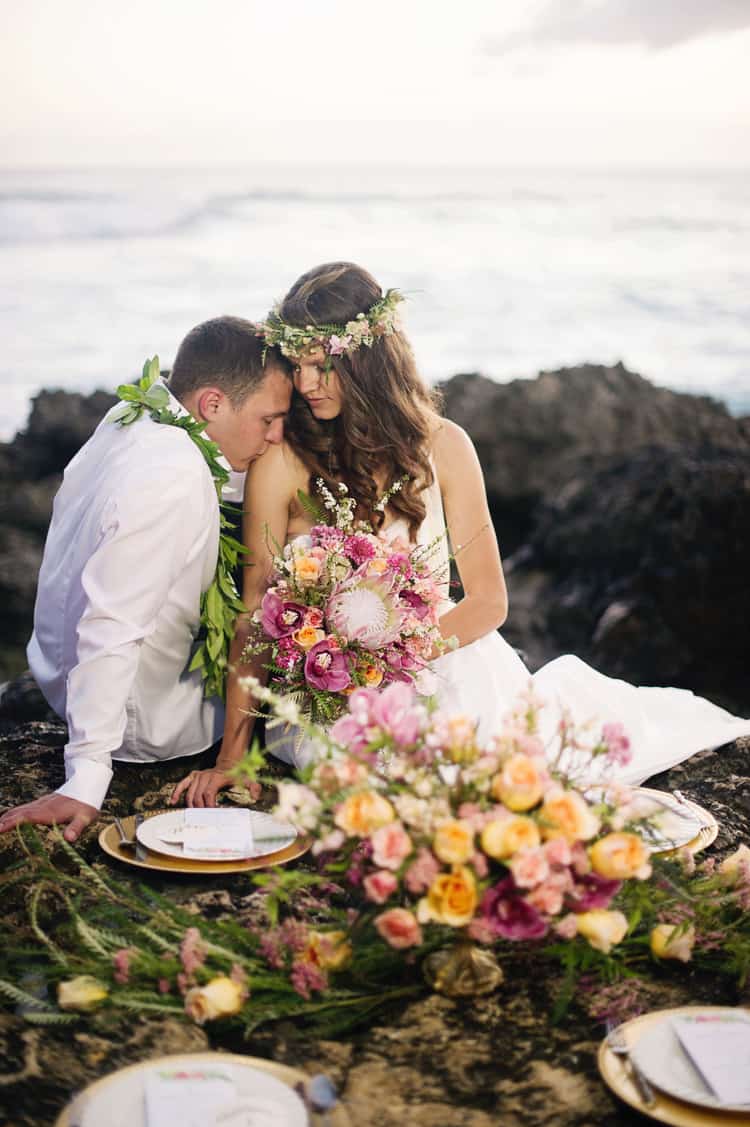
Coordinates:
(718, 1047)
(217, 833)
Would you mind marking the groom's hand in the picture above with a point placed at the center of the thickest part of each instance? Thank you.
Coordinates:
(201, 787)
(52, 810)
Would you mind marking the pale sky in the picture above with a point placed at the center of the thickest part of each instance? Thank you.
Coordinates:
(510, 82)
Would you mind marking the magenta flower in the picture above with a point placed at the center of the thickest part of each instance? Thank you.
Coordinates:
(279, 618)
(326, 668)
(396, 711)
(507, 913)
(416, 604)
(592, 891)
(359, 549)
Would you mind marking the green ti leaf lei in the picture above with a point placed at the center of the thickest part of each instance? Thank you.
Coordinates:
(221, 603)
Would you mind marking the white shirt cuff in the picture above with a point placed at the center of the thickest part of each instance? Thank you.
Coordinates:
(87, 781)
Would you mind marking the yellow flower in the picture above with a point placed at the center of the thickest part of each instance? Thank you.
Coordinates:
(506, 836)
(730, 866)
(454, 842)
(330, 950)
(83, 993)
(602, 928)
(221, 997)
(567, 814)
(670, 941)
(376, 566)
(619, 856)
(308, 636)
(306, 570)
(372, 675)
(360, 814)
(451, 898)
(519, 784)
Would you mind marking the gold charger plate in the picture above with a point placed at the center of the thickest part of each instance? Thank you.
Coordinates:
(616, 1075)
(337, 1117)
(109, 840)
(707, 834)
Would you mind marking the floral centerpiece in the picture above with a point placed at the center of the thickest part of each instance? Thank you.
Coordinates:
(346, 608)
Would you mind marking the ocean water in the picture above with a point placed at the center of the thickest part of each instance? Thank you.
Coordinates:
(507, 271)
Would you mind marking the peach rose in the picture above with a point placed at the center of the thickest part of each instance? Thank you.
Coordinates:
(313, 617)
(602, 928)
(451, 898)
(379, 886)
(330, 950)
(529, 867)
(83, 993)
(672, 941)
(308, 636)
(391, 845)
(454, 842)
(372, 675)
(221, 997)
(399, 928)
(306, 570)
(504, 837)
(519, 784)
(730, 866)
(566, 814)
(619, 856)
(360, 814)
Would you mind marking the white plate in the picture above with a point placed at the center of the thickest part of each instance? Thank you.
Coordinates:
(677, 823)
(659, 1054)
(119, 1100)
(162, 833)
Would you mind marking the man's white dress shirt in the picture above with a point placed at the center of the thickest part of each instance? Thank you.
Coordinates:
(132, 545)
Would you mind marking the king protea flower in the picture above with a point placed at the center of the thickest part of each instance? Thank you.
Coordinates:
(365, 609)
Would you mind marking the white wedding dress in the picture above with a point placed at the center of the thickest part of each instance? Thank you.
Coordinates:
(485, 678)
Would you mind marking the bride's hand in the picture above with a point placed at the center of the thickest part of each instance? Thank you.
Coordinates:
(201, 787)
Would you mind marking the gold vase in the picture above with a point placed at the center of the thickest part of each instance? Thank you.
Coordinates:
(462, 970)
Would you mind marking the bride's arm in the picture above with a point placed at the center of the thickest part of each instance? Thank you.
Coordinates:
(270, 485)
(472, 538)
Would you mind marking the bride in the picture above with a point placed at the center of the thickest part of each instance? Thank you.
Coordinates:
(362, 415)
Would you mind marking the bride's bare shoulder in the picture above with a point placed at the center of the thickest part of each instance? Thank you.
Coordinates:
(280, 467)
(450, 445)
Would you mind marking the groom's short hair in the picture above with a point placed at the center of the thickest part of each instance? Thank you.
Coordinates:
(225, 352)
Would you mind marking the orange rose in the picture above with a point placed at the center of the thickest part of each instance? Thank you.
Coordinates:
(519, 784)
(308, 636)
(619, 856)
(360, 814)
(451, 898)
(306, 570)
(372, 675)
(504, 837)
(567, 814)
(454, 842)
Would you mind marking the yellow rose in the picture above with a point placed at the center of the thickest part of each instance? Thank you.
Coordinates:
(730, 866)
(83, 993)
(451, 898)
(308, 636)
(372, 675)
(505, 837)
(330, 950)
(602, 928)
(519, 784)
(454, 842)
(306, 570)
(671, 941)
(360, 814)
(376, 566)
(619, 856)
(221, 997)
(567, 814)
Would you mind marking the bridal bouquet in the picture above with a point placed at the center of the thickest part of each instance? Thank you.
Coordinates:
(346, 608)
(495, 840)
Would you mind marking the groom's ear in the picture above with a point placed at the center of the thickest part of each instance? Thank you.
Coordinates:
(210, 402)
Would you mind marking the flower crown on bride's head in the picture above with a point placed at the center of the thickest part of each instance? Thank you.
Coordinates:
(381, 320)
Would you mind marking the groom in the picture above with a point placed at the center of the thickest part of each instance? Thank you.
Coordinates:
(132, 545)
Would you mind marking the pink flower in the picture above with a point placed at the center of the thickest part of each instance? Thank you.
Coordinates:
(529, 867)
(617, 744)
(306, 977)
(399, 928)
(567, 927)
(395, 710)
(391, 845)
(509, 915)
(121, 965)
(546, 898)
(337, 346)
(163, 986)
(479, 864)
(279, 618)
(590, 891)
(192, 951)
(325, 668)
(313, 617)
(558, 852)
(481, 931)
(379, 886)
(347, 732)
(422, 872)
(359, 549)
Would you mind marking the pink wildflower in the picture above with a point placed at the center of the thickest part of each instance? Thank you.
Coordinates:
(121, 964)
(306, 977)
(192, 951)
(422, 871)
(617, 744)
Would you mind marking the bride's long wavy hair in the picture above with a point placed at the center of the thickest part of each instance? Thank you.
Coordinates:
(388, 413)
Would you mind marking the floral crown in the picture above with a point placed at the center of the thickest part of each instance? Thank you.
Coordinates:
(381, 320)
